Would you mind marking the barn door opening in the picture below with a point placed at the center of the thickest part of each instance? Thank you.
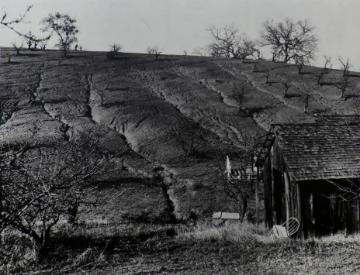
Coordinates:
(324, 216)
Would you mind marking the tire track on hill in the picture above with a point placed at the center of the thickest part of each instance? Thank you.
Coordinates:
(253, 84)
(228, 134)
(233, 134)
(94, 102)
(181, 72)
(318, 98)
(34, 98)
(279, 103)
(236, 77)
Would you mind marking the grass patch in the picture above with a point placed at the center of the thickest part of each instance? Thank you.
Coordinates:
(233, 232)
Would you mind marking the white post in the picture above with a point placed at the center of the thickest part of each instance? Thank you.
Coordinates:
(227, 167)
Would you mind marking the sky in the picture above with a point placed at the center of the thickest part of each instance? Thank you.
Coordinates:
(181, 25)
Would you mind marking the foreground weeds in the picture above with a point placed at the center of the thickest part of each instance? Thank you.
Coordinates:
(242, 248)
(266, 254)
(235, 232)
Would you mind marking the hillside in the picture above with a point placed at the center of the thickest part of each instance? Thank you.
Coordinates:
(181, 112)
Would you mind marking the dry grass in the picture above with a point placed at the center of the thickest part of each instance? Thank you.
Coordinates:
(341, 238)
(260, 253)
(234, 247)
(232, 232)
(249, 232)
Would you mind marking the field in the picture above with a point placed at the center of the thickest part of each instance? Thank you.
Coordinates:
(181, 113)
(203, 249)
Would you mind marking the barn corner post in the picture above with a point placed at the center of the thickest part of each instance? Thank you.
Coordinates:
(298, 208)
(268, 191)
(257, 195)
(287, 198)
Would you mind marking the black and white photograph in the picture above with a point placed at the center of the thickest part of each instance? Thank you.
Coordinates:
(179, 137)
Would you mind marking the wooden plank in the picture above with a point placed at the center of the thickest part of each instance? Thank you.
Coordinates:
(257, 195)
(226, 215)
(268, 193)
(299, 210)
(279, 200)
(358, 214)
(273, 214)
(287, 198)
(312, 219)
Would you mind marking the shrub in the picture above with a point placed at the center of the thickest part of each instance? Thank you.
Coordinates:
(229, 232)
(114, 51)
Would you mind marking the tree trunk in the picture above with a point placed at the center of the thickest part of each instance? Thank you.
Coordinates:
(257, 196)
(286, 58)
(41, 243)
(40, 248)
(244, 207)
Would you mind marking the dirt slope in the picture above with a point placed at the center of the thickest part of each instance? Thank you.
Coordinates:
(185, 113)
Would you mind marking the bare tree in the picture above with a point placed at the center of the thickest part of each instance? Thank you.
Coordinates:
(43, 46)
(343, 85)
(247, 48)
(320, 77)
(325, 70)
(238, 187)
(239, 93)
(11, 25)
(32, 41)
(345, 66)
(225, 40)
(9, 57)
(39, 188)
(64, 27)
(286, 85)
(327, 63)
(267, 77)
(290, 40)
(114, 50)
(229, 43)
(238, 182)
(191, 138)
(17, 48)
(306, 104)
(154, 51)
(300, 63)
(115, 47)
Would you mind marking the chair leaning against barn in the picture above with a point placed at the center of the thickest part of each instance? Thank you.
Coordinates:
(287, 229)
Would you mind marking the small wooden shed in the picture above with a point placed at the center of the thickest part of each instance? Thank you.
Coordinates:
(311, 171)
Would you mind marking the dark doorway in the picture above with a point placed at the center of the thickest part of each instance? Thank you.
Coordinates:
(324, 211)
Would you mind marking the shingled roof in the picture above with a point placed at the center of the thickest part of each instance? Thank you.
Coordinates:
(326, 149)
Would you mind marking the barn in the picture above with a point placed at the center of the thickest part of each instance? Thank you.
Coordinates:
(311, 171)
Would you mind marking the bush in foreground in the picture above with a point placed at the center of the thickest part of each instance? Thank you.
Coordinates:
(233, 232)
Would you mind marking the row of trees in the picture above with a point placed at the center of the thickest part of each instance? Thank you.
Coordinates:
(288, 40)
(115, 48)
(62, 25)
(65, 29)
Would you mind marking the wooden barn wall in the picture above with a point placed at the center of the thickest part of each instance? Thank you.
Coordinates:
(277, 158)
(274, 191)
(324, 212)
(308, 201)
(267, 179)
(280, 202)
